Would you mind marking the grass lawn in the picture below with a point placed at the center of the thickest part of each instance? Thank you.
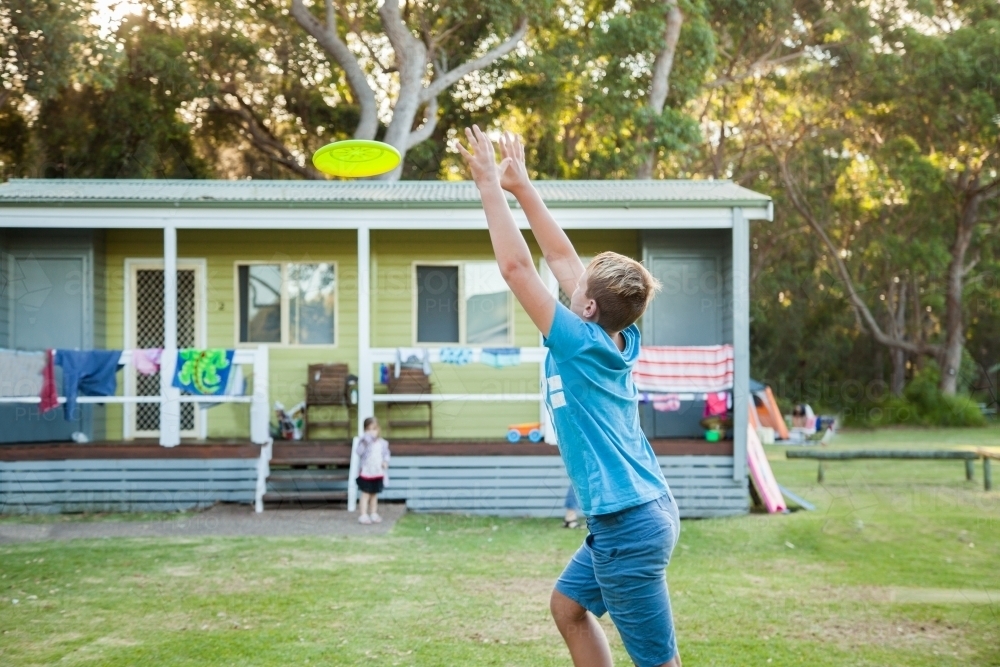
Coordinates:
(899, 565)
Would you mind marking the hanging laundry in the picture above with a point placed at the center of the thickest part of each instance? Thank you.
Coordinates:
(684, 369)
(459, 356)
(235, 386)
(87, 373)
(203, 372)
(716, 404)
(147, 361)
(21, 373)
(666, 402)
(383, 374)
(500, 357)
(49, 394)
(413, 357)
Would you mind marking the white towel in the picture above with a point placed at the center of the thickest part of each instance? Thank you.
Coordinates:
(21, 373)
(413, 357)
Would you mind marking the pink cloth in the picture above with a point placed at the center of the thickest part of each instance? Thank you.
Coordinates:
(716, 404)
(49, 395)
(667, 403)
(695, 369)
(147, 361)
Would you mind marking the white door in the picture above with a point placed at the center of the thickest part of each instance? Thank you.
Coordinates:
(144, 329)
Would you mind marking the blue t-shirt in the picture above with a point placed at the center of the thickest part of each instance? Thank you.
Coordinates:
(595, 408)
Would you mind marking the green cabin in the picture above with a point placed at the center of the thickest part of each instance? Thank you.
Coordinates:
(292, 274)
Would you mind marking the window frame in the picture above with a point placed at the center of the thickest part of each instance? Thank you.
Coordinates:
(286, 330)
(462, 324)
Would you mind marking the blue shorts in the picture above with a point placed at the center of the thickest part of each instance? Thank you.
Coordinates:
(620, 569)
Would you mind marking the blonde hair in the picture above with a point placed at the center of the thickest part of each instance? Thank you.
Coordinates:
(622, 289)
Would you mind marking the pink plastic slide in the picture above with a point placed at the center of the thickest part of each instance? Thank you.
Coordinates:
(761, 475)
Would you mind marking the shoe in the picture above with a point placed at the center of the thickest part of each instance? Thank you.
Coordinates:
(570, 524)
(376, 518)
(365, 519)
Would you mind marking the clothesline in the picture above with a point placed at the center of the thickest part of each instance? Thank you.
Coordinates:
(208, 377)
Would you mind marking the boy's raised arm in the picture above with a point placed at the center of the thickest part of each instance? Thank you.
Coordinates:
(559, 252)
(512, 253)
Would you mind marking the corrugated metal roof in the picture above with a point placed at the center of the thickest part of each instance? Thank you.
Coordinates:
(364, 194)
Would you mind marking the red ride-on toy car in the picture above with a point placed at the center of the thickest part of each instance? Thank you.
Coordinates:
(531, 430)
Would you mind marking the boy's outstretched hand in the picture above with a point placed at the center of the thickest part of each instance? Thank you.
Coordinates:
(514, 178)
(482, 160)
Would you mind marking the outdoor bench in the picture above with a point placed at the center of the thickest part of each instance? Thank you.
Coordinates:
(849, 455)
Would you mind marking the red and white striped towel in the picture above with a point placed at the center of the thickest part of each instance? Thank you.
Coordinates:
(662, 368)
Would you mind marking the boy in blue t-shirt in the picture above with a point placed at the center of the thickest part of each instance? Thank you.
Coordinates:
(632, 517)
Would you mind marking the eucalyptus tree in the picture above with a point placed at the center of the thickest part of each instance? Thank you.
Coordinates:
(421, 48)
(888, 154)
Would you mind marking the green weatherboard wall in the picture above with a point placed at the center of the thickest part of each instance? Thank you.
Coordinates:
(393, 255)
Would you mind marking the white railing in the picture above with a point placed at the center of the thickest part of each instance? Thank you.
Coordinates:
(259, 415)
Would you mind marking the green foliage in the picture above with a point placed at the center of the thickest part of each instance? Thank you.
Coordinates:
(41, 45)
(579, 96)
(128, 127)
(922, 404)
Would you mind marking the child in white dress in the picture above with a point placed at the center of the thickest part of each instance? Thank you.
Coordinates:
(373, 452)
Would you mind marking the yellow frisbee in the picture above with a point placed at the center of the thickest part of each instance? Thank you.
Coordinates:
(356, 158)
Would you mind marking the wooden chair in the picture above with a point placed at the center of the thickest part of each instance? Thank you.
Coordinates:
(410, 381)
(327, 386)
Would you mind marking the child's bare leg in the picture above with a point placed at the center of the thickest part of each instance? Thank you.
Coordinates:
(363, 505)
(373, 503)
(584, 636)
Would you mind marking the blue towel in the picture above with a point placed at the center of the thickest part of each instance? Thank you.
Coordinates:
(87, 373)
(501, 357)
(459, 356)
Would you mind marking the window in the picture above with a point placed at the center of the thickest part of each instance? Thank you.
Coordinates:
(292, 303)
(465, 303)
(487, 304)
(437, 304)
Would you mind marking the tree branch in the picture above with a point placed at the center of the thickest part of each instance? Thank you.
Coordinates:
(445, 80)
(331, 43)
(264, 140)
(424, 132)
(760, 66)
(395, 29)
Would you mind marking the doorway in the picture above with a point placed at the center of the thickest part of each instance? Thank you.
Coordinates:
(144, 329)
(48, 305)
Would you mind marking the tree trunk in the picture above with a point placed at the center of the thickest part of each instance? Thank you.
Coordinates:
(897, 329)
(412, 56)
(898, 380)
(660, 84)
(951, 356)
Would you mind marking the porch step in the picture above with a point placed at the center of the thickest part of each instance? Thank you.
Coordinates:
(312, 461)
(305, 496)
(308, 475)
